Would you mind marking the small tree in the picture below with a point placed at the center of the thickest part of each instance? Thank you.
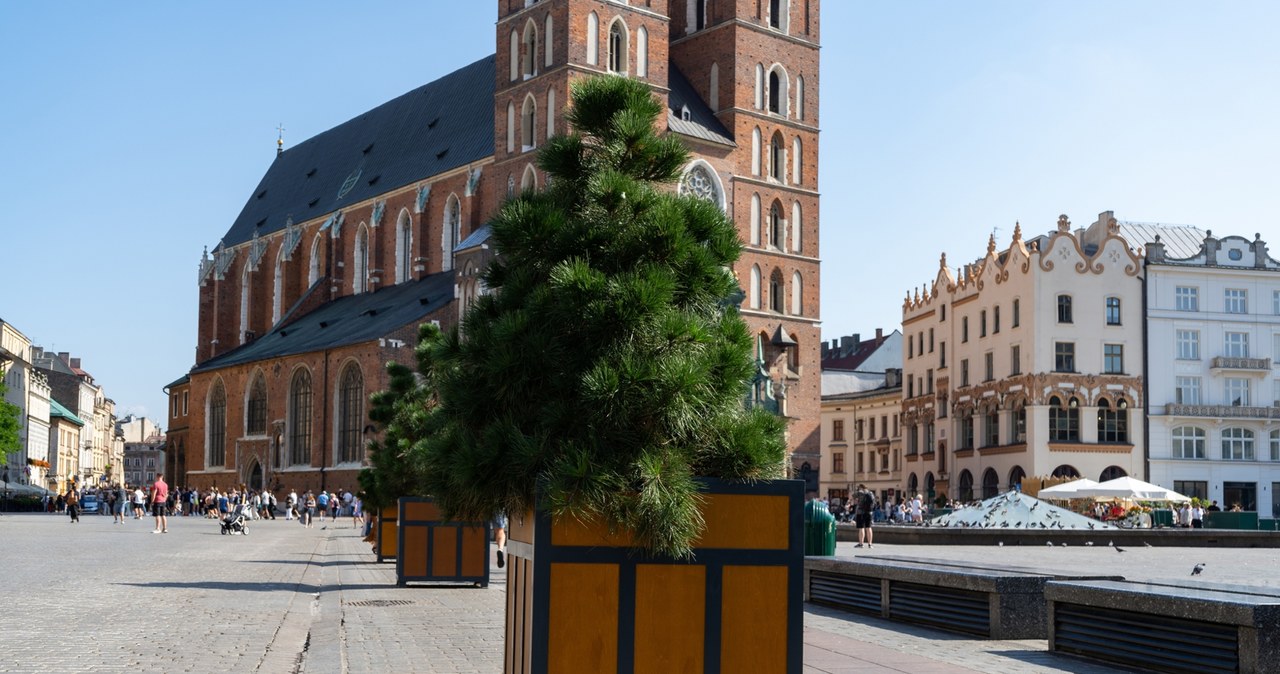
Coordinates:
(404, 411)
(609, 366)
(10, 426)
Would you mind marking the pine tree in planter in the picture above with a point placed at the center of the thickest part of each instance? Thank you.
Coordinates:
(604, 374)
(609, 365)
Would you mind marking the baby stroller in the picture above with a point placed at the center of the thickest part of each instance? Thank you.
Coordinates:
(236, 521)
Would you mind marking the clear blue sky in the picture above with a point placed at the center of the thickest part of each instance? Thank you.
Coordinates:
(133, 133)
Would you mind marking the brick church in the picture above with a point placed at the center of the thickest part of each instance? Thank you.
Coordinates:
(358, 235)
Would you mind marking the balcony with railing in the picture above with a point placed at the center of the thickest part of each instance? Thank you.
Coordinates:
(1235, 363)
(1222, 411)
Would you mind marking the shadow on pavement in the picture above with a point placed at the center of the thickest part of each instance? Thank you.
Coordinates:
(1061, 663)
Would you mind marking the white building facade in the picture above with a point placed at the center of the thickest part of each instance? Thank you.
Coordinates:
(1214, 344)
(1025, 363)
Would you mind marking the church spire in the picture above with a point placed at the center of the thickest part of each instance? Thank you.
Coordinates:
(280, 139)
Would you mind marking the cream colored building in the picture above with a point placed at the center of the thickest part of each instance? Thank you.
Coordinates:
(1026, 362)
(861, 437)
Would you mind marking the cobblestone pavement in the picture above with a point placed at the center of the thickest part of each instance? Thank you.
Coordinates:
(98, 597)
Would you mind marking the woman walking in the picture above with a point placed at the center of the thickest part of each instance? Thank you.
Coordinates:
(73, 504)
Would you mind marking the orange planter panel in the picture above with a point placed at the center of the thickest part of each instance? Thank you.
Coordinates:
(583, 633)
(754, 619)
(670, 640)
(745, 522)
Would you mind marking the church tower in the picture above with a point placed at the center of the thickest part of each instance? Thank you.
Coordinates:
(740, 79)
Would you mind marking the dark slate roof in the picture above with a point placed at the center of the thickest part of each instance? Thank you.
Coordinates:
(347, 320)
(432, 129)
(702, 122)
(184, 379)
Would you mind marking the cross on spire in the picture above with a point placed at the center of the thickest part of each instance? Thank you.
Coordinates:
(280, 138)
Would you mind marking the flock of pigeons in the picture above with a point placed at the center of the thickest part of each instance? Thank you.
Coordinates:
(1015, 510)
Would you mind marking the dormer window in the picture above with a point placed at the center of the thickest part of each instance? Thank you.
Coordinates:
(685, 114)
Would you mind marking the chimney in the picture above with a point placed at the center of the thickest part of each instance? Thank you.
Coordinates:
(845, 342)
(65, 356)
(892, 377)
(879, 335)
(75, 363)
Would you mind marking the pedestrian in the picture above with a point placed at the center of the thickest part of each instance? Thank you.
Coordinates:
(862, 515)
(500, 537)
(160, 504)
(122, 498)
(73, 504)
(309, 512)
(322, 501)
(291, 505)
(357, 512)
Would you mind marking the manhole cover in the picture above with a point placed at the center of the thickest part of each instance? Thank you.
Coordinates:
(380, 602)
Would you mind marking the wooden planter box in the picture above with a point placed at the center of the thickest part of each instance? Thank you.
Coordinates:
(388, 539)
(431, 549)
(580, 599)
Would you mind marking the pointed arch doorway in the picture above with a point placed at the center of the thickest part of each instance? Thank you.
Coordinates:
(255, 477)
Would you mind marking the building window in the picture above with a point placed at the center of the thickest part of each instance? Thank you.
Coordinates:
(775, 13)
(1192, 488)
(964, 372)
(989, 366)
(1237, 444)
(930, 340)
(185, 400)
(837, 430)
(991, 429)
(452, 231)
(776, 226)
(1237, 389)
(350, 415)
(528, 124)
(1113, 422)
(1275, 445)
(859, 427)
(1242, 494)
(1186, 298)
(1113, 311)
(404, 247)
(217, 427)
(1015, 359)
(1187, 391)
(1064, 357)
(1017, 313)
(300, 419)
(995, 320)
(1188, 344)
(1236, 301)
(360, 271)
(775, 92)
(1064, 419)
(1236, 344)
(982, 323)
(965, 489)
(942, 354)
(1064, 309)
(837, 462)
(777, 159)
(530, 52)
(990, 484)
(256, 412)
(617, 48)
(964, 330)
(1188, 443)
(775, 291)
(1275, 302)
(1113, 358)
(1018, 423)
(966, 431)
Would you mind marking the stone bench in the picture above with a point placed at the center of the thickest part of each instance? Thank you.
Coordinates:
(992, 601)
(1167, 626)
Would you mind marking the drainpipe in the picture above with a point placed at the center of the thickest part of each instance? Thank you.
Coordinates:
(1146, 388)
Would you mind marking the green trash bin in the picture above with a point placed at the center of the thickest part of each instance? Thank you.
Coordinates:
(819, 529)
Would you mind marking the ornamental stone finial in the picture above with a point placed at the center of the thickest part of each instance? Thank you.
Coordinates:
(942, 262)
(1064, 225)
(1017, 231)
(991, 244)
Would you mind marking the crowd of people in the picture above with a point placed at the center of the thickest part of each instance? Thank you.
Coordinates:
(158, 499)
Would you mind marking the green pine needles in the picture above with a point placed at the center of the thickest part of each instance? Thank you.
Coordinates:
(608, 367)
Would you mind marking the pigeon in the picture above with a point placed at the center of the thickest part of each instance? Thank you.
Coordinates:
(1147, 544)
(1064, 544)
(1090, 543)
(1198, 568)
(1118, 548)
(1111, 543)
(1049, 543)
(1001, 544)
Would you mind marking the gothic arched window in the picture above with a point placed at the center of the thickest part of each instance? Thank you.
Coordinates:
(350, 415)
(216, 455)
(300, 418)
(256, 407)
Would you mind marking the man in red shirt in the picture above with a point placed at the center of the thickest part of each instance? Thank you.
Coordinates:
(159, 497)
